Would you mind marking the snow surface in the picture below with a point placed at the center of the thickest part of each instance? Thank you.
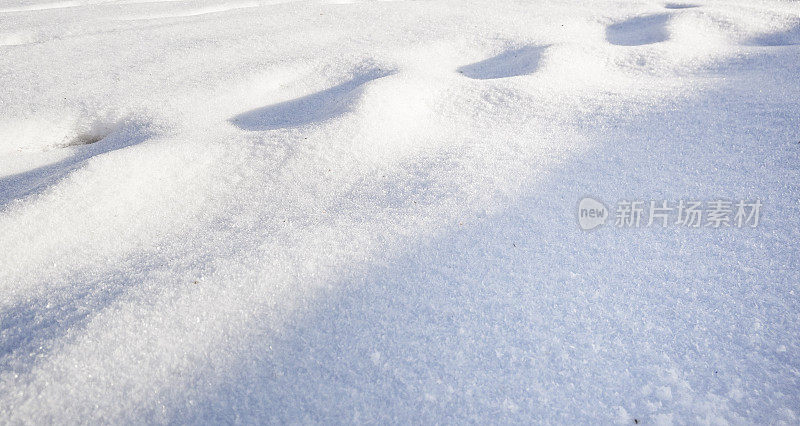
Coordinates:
(363, 211)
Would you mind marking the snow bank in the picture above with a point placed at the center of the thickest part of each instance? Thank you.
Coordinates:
(363, 211)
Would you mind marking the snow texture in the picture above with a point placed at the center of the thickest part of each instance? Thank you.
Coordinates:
(364, 211)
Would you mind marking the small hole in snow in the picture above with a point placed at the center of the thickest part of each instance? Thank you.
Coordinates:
(88, 134)
(85, 139)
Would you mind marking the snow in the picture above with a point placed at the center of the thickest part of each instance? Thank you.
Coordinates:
(365, 211)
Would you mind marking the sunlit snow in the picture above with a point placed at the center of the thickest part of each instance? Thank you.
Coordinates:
(367, 211)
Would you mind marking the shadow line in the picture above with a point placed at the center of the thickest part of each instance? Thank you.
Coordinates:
(511, 63)
(639, 31)
(21, 185)
(314, 108)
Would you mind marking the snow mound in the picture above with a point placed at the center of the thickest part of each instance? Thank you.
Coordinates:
(365, 212)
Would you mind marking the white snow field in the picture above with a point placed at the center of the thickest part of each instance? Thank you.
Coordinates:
(366, 211)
